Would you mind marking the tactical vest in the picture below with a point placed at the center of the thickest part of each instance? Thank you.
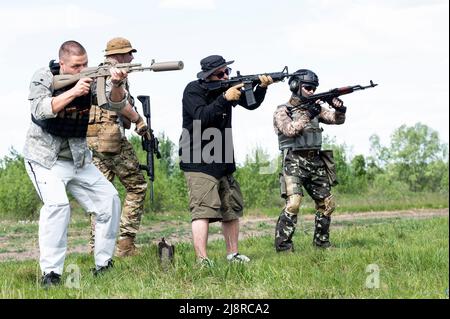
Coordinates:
(73, 120)
(309, 139)
(100, 115)
(106, 129)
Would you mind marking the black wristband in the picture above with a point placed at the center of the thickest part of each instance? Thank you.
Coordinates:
(342, 109)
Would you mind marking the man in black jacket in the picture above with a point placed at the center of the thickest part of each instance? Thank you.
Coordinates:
(207, 158)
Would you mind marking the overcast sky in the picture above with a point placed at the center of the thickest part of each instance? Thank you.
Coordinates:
(400, 44)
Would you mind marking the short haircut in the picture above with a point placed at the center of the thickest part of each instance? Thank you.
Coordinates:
(71, 48)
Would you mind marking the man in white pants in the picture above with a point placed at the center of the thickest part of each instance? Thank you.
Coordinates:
(57, 159)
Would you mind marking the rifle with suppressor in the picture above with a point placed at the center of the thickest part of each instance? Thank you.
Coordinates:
(250, 81)
(331, 94)
(150, 143)
(102, 72)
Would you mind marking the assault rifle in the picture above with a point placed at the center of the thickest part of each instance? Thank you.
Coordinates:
(331, 94)
(250, 81)
(102, 72)
(150, 143)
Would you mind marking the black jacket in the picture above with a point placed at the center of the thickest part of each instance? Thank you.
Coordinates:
(213, 114)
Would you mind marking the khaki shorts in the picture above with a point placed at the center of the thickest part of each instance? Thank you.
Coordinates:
(214, 199)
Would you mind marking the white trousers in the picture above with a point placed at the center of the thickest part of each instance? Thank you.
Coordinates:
(94, 193)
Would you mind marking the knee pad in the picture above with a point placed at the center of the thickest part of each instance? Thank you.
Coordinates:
(326, 206)
(330, 205)
(293, 203)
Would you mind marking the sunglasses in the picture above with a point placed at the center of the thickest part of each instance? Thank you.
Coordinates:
(221, 74)
(309, 88)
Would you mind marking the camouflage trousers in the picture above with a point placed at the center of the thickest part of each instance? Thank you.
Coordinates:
(125, 166)
(303, 171)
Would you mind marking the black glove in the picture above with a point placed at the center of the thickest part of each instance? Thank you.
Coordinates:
(341, 109)
(314, 110)
(338, 105)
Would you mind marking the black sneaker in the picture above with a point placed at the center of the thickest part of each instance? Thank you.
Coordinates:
(98, 270)
(50, 279)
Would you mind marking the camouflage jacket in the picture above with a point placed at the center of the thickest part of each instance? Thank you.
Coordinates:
(42, 147)
(284, 123)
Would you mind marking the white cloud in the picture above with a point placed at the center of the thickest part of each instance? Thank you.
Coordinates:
(188, 4)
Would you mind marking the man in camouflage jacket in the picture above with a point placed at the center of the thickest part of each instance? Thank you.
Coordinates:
(113, 154)
(300, 139)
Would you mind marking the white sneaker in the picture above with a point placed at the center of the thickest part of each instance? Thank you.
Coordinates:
(238, 258)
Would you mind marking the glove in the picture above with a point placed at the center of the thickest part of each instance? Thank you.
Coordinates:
(337, 103)
(265, 80)
(233, 93)
(141, 127)
(314, 110)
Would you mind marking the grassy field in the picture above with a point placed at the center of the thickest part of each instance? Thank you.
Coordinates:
(400, 258)
(348, 203)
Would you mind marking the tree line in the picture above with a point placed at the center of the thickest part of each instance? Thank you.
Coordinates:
(414, 161)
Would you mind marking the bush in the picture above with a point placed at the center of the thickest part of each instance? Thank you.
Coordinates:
(18, 197)
(394, 172)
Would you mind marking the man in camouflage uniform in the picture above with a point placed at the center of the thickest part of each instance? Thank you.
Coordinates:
(114, 155)
(300, 140)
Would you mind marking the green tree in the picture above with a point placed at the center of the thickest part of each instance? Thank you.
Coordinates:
(415, 156)
(358, 166)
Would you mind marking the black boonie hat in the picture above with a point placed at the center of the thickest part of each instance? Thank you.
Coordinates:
(211, 64)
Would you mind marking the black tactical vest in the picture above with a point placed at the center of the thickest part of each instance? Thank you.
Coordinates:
(73, 120)
(309, 139)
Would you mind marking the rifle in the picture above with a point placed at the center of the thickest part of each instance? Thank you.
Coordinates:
(150, 143)
(331, 94)
(250, 81)
(102, 72)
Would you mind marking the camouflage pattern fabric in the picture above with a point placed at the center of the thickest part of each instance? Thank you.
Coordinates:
(125, 166)
(290, 120)
(321, 237)
(304, 169)
(309, 173)
(284, 230)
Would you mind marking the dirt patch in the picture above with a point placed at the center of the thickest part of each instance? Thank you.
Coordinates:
(11, 248)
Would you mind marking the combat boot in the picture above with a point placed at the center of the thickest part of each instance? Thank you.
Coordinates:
(126, 247)
(50, 279)
(321, 236)
(284, 230)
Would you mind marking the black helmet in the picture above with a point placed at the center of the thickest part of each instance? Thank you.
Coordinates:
(302, 76)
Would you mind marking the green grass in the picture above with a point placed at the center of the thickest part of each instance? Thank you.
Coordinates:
(353, 203)
(412, 256)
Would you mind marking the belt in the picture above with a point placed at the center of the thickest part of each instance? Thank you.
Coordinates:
(307, 153)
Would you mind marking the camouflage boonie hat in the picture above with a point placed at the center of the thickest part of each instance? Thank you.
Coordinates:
(118, 46)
